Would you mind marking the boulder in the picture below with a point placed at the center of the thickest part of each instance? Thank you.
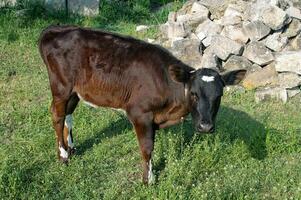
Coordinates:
(216, 7)
(237, 62)
(235, 33)
(187, 50)
(292, 29)
(254, 10)
(296, 43)
(289, 80)
(223, 47)
(176, 29)
(210, 60)
(172, 17)
(163, 28)
(256, 30)
(274, 17)
(207, 41)
(276, 41)
(294, 12)
(197, 14)
(82, 7)
(258, 53)
(271, 93)
(198, 8)
(288, 61)
(231, 16)
(207, 29)
(296, 3)
(293, 92)
(231, 20)
(266, 76)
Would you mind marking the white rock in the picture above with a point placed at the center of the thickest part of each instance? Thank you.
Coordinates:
(230, 20)
(223, 47)
(198, 8)
(289, 80)
(288, 61)
(188, 50)
(232, 10)
(276, 41)
(274, 17)
(296, 43)
(172, 17)
(210, 60)
(293, 92)
(293, 29)
(258, 53)
(271, 93)
(150, 40)
(294, 12)
(207, 41)
(254, 10)
(235, 33)
(176, 29)
(237, 62)
(255, 30)
(141, 28)
(207, 28)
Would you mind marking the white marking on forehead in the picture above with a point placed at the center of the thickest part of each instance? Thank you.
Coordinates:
(208, 78)
(150, 172)
(87, 102)
(63, 152)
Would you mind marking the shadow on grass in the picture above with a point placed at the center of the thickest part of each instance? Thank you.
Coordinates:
(232, 125)
(115, 128)
(237, 125)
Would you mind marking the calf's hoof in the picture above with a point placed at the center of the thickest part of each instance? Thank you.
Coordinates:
(64, 160)
(71, 151)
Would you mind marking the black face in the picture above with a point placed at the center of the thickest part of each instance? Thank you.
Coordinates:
(206, 91)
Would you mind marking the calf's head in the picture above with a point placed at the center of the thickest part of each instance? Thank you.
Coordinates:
(205, 89)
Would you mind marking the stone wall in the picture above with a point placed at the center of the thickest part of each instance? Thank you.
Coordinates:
(7, 2)
(261, 36)
(84, 7)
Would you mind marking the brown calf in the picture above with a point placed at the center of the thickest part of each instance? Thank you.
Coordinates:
(154, 88)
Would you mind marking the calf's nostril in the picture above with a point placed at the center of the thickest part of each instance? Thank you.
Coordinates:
(206, 128)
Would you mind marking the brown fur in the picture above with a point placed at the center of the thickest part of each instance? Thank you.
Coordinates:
(115, 71)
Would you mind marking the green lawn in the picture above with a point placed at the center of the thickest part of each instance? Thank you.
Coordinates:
(254, 154)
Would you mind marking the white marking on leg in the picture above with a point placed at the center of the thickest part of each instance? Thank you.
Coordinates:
(87, 102)
(150, 172)
(70, 143)
(68, 121)
(68, 124)
(63, 152)
(119, 110)
(208, 78)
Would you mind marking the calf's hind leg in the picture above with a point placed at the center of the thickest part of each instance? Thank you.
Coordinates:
(58, 109)
(68, 137)
(62, 121)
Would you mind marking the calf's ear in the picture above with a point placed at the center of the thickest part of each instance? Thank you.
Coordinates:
(233, 77)
(180, 73)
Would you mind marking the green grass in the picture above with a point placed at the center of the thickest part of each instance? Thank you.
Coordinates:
(255, 153)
